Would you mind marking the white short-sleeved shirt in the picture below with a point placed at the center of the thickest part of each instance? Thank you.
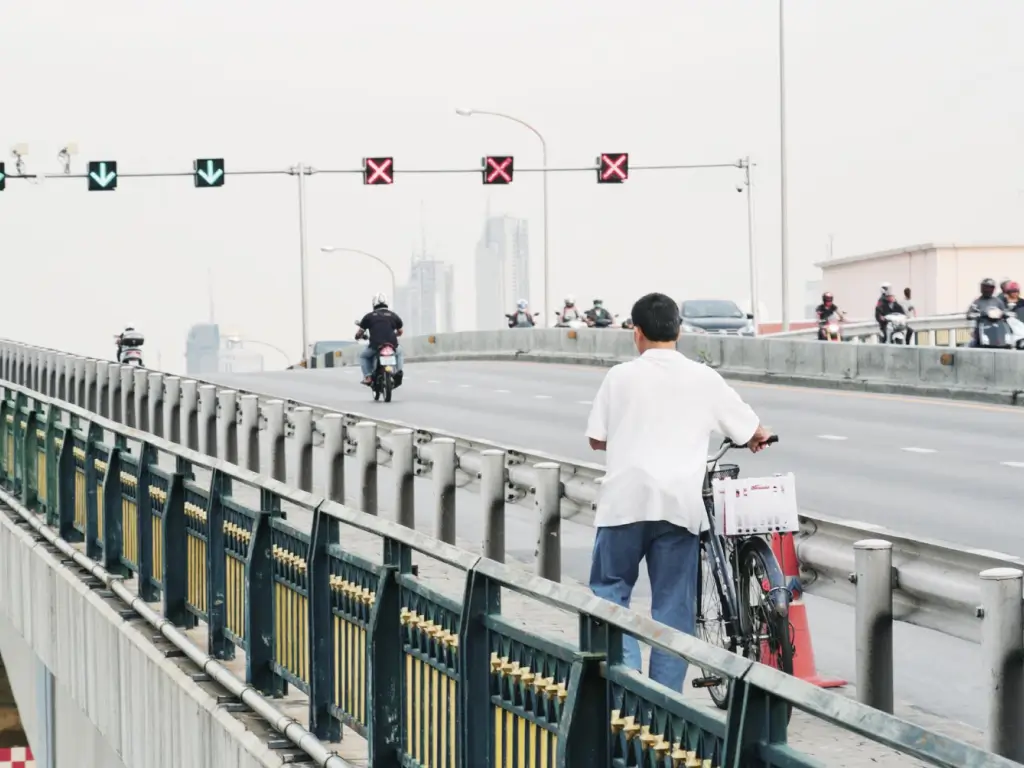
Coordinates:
(657, 413)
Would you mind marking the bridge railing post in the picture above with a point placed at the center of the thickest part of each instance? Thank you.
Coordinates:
(78, 389)
(332, 427)
(1002, 642)
(114, 409)
(259, 616)
(322, 723)
(227, 425)
(102, 389)
(218, 644)
(492, 496)
(140, 388)
(175, 555)
(92, 528)
(172, 408)
(873, 615)
(365, 434)
(548, 493)
(155, 411)
(403, 460)
(442, 470)
(272, 446)
(247, 421)
(68, 367)
(299, 430)
(128, 412)
(90, 387)
(112, 534)
(207, 409)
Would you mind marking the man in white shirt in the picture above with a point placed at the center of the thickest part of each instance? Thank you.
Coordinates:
(654, 416)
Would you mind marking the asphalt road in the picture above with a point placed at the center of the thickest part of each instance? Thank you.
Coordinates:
(926, 467)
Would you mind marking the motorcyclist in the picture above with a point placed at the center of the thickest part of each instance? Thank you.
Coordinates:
(569, 312)
(824, 311)
(887, 305)
(1012, 299)
(381, 326)
(982, 304)
(1002, 288)
(627, 324)
(522, 317)
(135, 339)
(598, 316)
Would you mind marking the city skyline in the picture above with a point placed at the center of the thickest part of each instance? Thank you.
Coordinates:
(502, 269)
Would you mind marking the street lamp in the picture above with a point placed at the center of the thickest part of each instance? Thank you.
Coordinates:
(745, 164)
(338, 249)
(544, 174)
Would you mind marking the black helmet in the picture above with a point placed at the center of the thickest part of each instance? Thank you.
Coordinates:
(988, 287)
(826, 297)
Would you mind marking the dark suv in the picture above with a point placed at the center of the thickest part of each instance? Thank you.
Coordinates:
(715, 316)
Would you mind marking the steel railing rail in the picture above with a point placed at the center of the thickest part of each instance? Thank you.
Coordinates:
(757, 690)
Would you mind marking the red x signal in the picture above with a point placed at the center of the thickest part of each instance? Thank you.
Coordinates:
(498, 170)
(378, 170)
(613, 168)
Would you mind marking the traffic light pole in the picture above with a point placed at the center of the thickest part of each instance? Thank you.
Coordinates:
(303, 259)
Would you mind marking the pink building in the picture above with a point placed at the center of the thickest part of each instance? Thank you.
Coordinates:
(944, 278)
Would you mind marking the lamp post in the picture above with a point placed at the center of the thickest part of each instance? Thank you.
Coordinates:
(745, 164)
(544, 175)
(339, 249)
(784, 240)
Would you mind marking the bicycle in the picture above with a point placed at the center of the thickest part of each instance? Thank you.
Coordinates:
(747, 582)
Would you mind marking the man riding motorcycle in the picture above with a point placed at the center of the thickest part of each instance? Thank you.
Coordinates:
(982, 304)
(825, 311)
(135, 339)
(887, 305)
(381, 326)
(598, 316)
(522, 317)
(569, 312)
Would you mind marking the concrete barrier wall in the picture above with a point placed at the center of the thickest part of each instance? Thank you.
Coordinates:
(996, 375)
(148, 711)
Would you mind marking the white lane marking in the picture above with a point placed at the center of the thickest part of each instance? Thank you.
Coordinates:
(1015, 464)
(542, 397)
(464, 386)
(433, 381)
(585, 402)
(911, 449)
(831, 437)
(502, 391)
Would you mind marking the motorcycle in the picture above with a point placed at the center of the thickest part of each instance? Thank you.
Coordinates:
(132, 356)
(575, 324)
(998, 329)
(830, 330)
(605, 322)
(130, 343)
(513, 324)
(383, 382)
(895, 329)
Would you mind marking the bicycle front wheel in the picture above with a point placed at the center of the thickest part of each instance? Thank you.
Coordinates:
(764, 608)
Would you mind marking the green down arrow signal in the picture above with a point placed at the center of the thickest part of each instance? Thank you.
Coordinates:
(102, 176)
(213, 174)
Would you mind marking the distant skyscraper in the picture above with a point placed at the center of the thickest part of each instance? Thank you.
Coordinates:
(425, 302)
(202, 349)
(502, 270)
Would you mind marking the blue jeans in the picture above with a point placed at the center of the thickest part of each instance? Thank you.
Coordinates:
(673, 558)
(368, 358)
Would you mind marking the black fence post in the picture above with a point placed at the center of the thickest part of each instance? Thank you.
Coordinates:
(218, 644)
(144, 528)
(30, 459)
(259, 604)
(112, 522)
(175, 575)
(321, 652)
(92, 532)
(66, 482)
(473, 716)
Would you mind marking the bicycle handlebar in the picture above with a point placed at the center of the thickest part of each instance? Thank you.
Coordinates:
(728, 445)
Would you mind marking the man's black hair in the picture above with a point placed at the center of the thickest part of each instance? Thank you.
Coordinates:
(906, 293)
(657, 317)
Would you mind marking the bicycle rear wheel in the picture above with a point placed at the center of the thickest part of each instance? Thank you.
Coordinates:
(711, 626)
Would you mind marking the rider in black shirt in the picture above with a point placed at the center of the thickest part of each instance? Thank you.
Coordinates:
(824, 311)
(381, 326)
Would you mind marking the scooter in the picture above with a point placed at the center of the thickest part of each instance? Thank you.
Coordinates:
(576, 324)
(830, 330)
(513, 324)
(607, 321)
(996, 330)
(1016, 330)
(895, 329)
(132, 356)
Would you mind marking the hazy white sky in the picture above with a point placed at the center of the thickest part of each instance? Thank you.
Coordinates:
(905, 124)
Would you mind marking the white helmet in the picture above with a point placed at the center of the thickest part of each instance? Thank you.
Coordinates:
(570, 300)
(886, 287)
(521, 304)
(380, 299)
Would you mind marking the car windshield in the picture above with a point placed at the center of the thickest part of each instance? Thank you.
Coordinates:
(713, 308)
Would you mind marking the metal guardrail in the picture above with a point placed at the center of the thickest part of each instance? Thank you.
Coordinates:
(935, 331)
(293, 601)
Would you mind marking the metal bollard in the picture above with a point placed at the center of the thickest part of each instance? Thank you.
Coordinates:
(44, 371)
(1002, 643)
(271, 425)
(492, 495)
(113, 392)
(37, 369)
(549, 520)
(366, 461)
(79, 388)
(89, 386)
(142, 399)
(403, 458)
(207, 419)
(128, 396)
(248, 420)
(332, 427)
(227, 426)
(63, 377)
(171, 399)
(299, 427)
(442, 459)
(102, 389)
(873, 577)
(155, 413)
(70, 368)
(188, 414)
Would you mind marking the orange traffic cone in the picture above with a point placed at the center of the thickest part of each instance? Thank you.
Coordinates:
(803, 648)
